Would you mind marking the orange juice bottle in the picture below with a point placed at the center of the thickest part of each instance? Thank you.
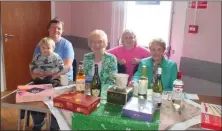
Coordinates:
(80, 78)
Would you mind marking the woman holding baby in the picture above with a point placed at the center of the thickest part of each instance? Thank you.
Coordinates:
(53, 57)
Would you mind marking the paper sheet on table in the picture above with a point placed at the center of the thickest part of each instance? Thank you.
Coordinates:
(60, 116)
(186, 124)
(191, 96)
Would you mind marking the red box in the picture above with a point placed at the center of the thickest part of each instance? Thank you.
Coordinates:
(210, 116)
(77, 102)
(193, 29)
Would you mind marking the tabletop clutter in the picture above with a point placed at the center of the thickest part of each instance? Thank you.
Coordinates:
(87, 96)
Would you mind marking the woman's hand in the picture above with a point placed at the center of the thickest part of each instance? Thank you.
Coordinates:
(135, 61)
(54, 76)
(121, 61)
(131, 84)
(48, 73)
(37, 74)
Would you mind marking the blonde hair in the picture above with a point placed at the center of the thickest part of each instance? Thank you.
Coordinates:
(99, 33)
(158, 41)
(130, 32)
(47, 41)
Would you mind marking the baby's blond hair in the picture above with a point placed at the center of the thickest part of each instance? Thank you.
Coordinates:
(158, 41)
(47, 41)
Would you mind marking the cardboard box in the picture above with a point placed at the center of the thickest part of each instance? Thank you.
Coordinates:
(77, 102)
(30, 93)
(140, 109)
(119, 97)
(210, 116)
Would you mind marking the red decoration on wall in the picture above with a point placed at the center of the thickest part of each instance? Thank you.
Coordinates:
(193, 29)
(199, 4)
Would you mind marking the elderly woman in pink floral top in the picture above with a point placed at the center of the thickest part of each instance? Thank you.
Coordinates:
(129, 53)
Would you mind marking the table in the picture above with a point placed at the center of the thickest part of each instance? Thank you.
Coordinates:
(202, 98)
(168, 117)
(9, 101)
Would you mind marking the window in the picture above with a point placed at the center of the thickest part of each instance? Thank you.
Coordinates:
(149, 20)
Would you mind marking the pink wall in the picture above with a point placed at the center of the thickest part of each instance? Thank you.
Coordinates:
(206, 44)
(88, 16)
(178, 25)
(82, 17)
(63, 11)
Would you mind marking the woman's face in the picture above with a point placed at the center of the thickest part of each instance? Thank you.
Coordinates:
(128, 40)
(157, 51)
(55, 30)
(97, 43)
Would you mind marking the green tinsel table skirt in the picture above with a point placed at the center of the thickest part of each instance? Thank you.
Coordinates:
(108, 117)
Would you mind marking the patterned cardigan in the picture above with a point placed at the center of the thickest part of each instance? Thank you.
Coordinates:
(109, 66)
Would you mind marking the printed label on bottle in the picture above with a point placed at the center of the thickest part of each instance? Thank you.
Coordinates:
(177, 93)
(95, 92)
(157, 97)
(80, 84)
(142, 87)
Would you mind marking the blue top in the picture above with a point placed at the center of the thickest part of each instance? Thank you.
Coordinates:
(65, 50)
(169, 72)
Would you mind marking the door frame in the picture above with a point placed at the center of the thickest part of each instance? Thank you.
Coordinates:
(2, 64)
(169, 48)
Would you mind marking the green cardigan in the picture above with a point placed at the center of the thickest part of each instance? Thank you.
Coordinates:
(169, 72)
(109, 66)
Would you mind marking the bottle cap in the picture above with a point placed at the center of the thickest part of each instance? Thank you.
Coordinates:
(179, 75)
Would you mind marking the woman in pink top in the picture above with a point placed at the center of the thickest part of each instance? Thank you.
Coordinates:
(129, 53)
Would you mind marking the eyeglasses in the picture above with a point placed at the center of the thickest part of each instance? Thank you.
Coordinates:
(156, 50)
(96, 42)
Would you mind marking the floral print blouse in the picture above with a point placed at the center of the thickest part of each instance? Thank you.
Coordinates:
(109, 67)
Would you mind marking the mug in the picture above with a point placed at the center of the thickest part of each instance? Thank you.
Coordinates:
(121, 80)
(64, 80)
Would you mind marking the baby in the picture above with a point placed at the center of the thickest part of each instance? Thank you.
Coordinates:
(47, 62)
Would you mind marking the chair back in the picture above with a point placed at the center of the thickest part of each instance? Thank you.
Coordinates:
(74, 65)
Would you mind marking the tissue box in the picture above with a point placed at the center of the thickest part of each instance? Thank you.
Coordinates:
(119, 97)
(30, 93)
(77, 102)
(210, 116)
(140, 109)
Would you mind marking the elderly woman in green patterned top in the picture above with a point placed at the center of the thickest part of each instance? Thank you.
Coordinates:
(107, 63)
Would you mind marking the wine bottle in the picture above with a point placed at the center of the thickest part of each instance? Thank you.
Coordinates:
(177, 92)
(158, 88)
(96, 84)
(80, 78)
(143, 84)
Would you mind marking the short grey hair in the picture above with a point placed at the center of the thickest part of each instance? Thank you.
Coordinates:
(100, 33)
(130, 32)
(158, 41)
